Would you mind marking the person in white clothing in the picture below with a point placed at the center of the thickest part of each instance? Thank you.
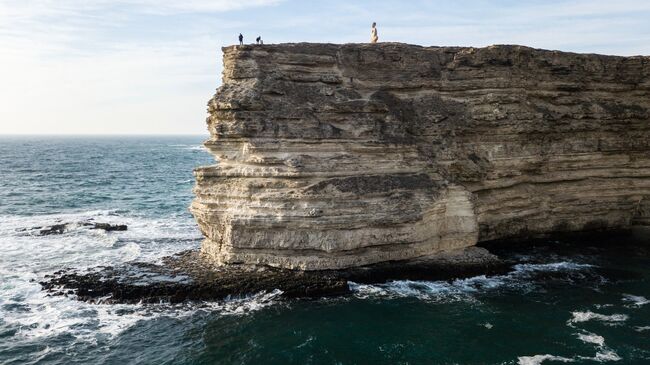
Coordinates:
(373, 33)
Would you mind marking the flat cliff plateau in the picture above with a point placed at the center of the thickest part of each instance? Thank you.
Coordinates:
(336, 156)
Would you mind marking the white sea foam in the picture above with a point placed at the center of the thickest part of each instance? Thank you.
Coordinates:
(603, 355)
(27, 257)
(550, 267)
(538, 359)
(593, 338)
(37, 315)
(578, 317)
(425, 290)
(635, 300)
(189, 147)
(606, 355)
(601, 306)
(642, 328)
(243, 305)
(147, 239)
(197, 148)
(460, 289)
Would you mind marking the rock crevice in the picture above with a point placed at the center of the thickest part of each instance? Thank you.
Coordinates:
(334, 156)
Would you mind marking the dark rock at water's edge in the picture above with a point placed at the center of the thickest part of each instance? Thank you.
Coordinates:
(187, 276)
(109, 227)
(60, 228)
(55, 229)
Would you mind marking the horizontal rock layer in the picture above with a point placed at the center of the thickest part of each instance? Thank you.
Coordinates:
(334, 156)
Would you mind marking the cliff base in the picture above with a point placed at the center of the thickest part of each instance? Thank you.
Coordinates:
(188, 276)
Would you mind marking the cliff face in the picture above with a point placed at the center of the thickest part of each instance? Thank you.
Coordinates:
(332, 156)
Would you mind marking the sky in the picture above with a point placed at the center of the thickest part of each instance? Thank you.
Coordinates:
(150, 66)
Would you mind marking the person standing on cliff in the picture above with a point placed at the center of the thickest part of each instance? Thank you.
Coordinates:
(373, 33)
(241, 39)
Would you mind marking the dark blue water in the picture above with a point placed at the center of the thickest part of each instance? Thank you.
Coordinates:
(579, 302)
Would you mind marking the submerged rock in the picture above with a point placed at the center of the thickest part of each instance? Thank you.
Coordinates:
(109, 227)
(60, 228)
(55, 229)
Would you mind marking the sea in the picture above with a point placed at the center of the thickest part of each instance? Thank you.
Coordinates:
(565, 301)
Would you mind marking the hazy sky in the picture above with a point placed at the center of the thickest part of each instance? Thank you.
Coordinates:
(149, 66)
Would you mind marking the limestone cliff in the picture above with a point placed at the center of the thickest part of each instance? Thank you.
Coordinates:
(332, 156)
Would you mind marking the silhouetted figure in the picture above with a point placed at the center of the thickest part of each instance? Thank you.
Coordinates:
(373, 33)
(241, 39)
(258, 39)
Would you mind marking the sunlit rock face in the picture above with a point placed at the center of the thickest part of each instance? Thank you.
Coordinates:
(332, 156)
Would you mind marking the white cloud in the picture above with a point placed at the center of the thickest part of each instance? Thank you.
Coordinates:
(149, 66)
(61, 73)
(133, 90)
(166, 6)
(35, 8)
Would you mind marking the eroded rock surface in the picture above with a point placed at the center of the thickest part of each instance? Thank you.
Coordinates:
(336, 156)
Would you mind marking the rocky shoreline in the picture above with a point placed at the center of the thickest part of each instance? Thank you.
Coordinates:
(187, 276)
(60, 228)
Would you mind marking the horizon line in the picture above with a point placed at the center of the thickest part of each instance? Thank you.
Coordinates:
(101, 135)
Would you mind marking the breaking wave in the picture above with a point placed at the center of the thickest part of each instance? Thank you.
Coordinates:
(538, 359)
(635, 300)
(579, 317)
(190, 147)
(461, 289)
(35, 314)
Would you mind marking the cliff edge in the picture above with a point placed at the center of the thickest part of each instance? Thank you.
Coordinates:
(335, 156)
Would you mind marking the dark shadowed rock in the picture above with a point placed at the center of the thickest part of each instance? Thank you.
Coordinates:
(109, 227)
(190, 277)
(60, 228)
(55, 229)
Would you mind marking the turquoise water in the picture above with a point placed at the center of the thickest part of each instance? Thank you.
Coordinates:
(565, 302)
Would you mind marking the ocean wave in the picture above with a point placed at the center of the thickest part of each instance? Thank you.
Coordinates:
(427, 290)
(579, 317)
(550, 267)
(635, 300)
(146, 239)
(36, 315)
(538, 359)
(588, 337)
(604, 355)
(190, 147)
(461, 289)
(197, 148)
(28, 256)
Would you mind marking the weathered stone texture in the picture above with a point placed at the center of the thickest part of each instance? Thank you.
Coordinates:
(332, 156)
